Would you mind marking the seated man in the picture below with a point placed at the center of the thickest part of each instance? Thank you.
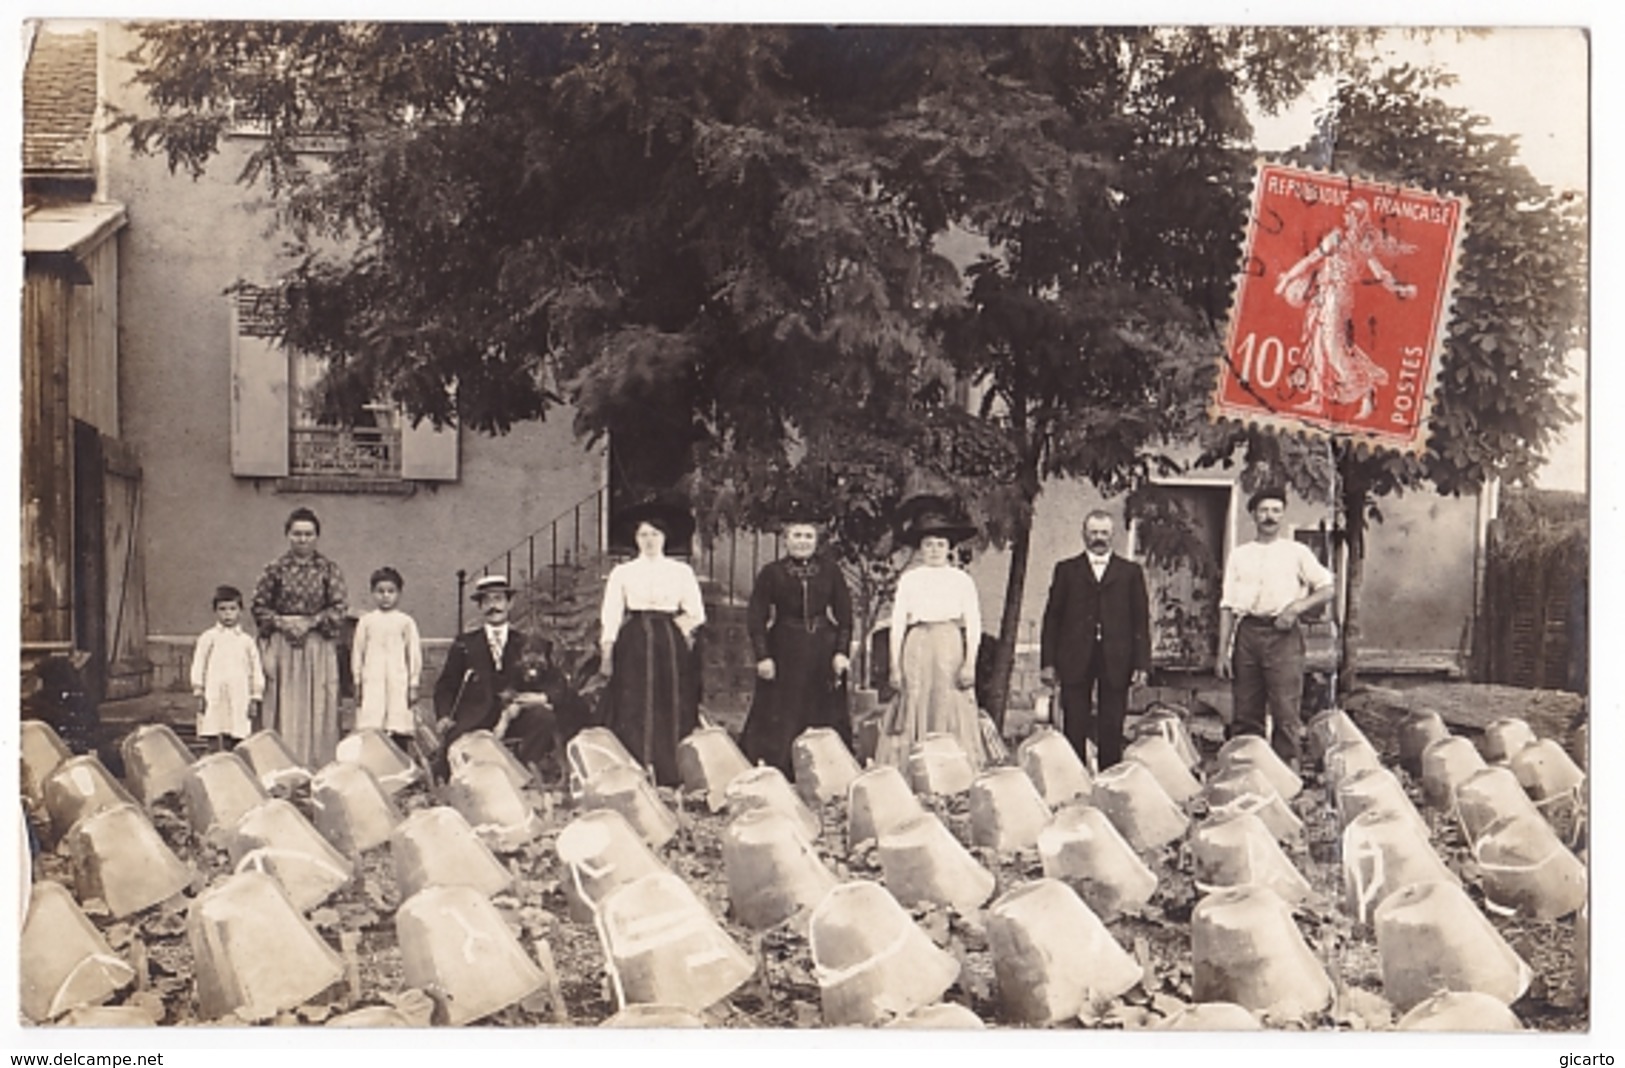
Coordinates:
(498, 678)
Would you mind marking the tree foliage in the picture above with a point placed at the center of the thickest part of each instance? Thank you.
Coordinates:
(1518, 313)
(751, 239)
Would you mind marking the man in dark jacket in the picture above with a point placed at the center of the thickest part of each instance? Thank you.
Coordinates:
(498, 678)
(1096, 633)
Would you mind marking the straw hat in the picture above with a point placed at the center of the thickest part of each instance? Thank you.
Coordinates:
(491, 584)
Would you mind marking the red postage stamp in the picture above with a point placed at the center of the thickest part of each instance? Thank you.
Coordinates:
(1338, 320)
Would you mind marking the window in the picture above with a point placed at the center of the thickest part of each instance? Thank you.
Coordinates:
(275, 432)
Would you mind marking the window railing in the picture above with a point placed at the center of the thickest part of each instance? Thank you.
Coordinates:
(356, 452)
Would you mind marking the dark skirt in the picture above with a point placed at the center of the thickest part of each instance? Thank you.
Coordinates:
(652, 700)
(802, 694)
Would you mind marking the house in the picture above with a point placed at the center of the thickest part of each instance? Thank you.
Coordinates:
(219, 415)
(82, 575)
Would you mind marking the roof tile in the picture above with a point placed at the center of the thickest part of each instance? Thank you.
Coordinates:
(59, 104)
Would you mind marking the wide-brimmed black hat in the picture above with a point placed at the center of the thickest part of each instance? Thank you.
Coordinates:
(797, 511)
(1266, 493)
(671, 515)
(930, 515)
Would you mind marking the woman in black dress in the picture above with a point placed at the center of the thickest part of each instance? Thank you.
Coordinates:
(800, 624)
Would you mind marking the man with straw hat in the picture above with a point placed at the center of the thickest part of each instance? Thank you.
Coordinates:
(1269, 583)
(480, 685)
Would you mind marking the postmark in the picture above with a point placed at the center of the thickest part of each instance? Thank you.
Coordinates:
(1337, 324)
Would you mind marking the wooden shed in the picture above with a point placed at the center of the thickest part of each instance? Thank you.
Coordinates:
(82, 582)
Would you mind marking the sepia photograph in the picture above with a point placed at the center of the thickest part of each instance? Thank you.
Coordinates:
(534, 525)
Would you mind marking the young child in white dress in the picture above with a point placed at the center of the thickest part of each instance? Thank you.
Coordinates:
(386, 660)
(227, 674)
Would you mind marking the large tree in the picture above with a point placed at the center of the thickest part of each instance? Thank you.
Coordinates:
(735, 235)
(1518, 315)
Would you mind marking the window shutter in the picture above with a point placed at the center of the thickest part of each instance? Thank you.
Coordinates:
(259, 390)
(428, 454)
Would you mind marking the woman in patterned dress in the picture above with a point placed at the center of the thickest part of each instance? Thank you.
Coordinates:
(299, 606)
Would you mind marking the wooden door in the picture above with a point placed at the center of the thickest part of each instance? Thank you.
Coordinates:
(129, 673)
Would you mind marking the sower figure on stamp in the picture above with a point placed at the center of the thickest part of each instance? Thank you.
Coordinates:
(1096, 633)
(483, 684)
(1269, 583)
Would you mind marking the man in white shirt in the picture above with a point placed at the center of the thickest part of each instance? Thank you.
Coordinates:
(1269, 583)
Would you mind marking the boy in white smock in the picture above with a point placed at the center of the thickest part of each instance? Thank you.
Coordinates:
(227, 674)
(386, 661)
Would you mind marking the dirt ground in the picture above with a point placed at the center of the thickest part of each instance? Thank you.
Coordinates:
(359, 919)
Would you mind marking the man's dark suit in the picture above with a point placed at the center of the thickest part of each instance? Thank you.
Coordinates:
(1096, 632)
(472, 691)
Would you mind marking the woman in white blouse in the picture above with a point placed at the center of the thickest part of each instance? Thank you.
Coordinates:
(651, 610)
(935, 627)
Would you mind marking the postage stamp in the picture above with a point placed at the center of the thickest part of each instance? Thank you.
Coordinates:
(1337, 324)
